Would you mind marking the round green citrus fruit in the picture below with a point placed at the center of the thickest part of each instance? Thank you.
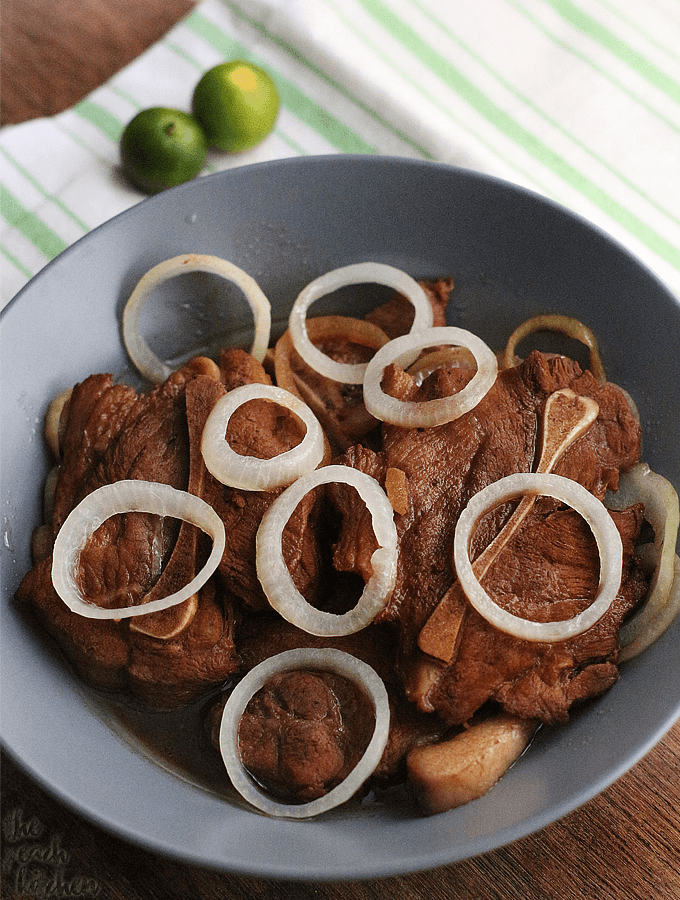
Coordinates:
(236, 103)
(161, 148)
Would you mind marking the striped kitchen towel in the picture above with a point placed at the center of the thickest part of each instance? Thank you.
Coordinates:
(576, 99)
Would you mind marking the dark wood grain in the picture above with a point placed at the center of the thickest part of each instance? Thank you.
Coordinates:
(622, 845)
(54, 52)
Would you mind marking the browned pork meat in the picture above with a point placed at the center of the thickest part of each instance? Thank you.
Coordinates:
(266, 635)
(549, 571)
(113, 433)
(304, 732)
(260, 429)
(166, 658)
(340, 407)
(396, 316)
(443, 468)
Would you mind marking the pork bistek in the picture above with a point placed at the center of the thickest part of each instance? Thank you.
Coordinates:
(111, 433)
(549, 571)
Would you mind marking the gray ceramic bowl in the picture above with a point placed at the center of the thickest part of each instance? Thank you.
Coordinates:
(512, 254)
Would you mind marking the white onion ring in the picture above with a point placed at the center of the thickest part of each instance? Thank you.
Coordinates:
(359, 273)
(593, 511)
(457, 357)
(660, 499)
(249, 472)
(641, 633)
(329, 660)
(276, 580)
(148, 364)
(411, 414)
(54, 426)
(569, 326)
(121, 497)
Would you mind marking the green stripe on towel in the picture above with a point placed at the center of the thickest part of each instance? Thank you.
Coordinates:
(30, 225)
(524, 138)
(307, 110)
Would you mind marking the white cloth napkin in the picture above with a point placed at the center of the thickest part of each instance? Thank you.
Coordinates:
(576, 99)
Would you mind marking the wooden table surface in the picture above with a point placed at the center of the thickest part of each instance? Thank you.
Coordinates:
(622, 845)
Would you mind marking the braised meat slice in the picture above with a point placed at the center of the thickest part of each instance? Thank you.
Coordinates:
(396, 316)
(549, 571)
(304, 732)
(97, 649)
(263, 636)
(262, 429)
(173, 672)
(444, 466)
(267, 634)
(113, 433)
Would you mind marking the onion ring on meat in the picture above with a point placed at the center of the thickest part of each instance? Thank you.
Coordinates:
(639, 633)
(55, 420)
(121, 497)
(573, 328)
(326, 659)
(251, 473)
(662, 605)
(411, 414)
(590, 508)
(359, 273)
(276, 580)
(457, 357)
(148, 364)
(354, 331)
(342, 413)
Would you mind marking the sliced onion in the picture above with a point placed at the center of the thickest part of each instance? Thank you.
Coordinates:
(329, 660)
(148, 364)
(249, 472)
(54, 426)
(276, 580)
(573, 328)
(344, 328)
(643, 635)
(121, 497)
(641, 485)
(359, 273)
(456, 357)
(343, 418)
(593, 511)
(411, 414)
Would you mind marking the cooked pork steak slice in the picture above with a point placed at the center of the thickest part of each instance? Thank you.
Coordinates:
(446, 465)
(263, 636)
(549, 571)
(396, 316)
(113, 433)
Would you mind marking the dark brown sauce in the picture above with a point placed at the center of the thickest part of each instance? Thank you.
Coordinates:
(177, 740)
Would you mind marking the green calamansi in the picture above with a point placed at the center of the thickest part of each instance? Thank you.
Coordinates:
(237, 104)
(161, 148)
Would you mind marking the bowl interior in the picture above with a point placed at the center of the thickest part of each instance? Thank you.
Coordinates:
(512, 255)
